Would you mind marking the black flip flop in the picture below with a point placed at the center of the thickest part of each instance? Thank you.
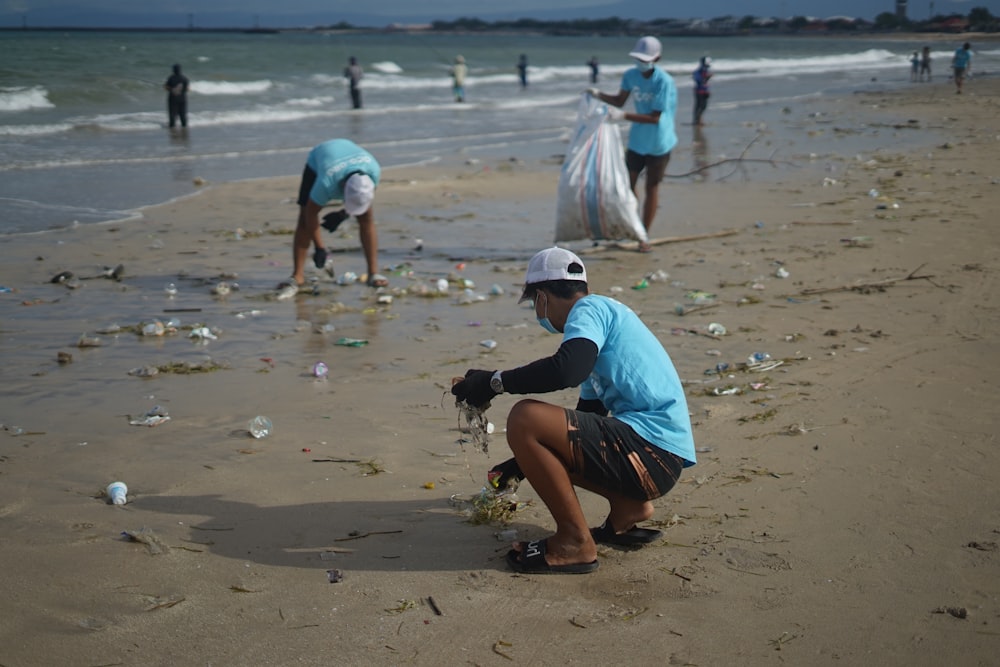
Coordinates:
(532, 561)
(636, 537)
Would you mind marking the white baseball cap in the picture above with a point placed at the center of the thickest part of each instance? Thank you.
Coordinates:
(553, 264)
(359, 191)
(647, 49)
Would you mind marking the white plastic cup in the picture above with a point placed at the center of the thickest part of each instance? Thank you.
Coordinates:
(118, 493)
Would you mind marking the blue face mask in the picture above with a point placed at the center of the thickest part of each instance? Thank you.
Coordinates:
(644, 66)
(544, 322)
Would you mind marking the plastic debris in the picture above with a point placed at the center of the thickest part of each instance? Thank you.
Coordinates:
(153, 417)
(351, 342)
(260, 427)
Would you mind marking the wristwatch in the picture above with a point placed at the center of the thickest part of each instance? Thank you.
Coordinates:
(496, 383)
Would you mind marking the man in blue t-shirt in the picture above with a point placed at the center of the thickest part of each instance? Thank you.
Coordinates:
(628, 438)
(652, 136)
(960, 63)
(336, 170)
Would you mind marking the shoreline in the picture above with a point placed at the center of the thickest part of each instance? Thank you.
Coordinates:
(832, 514)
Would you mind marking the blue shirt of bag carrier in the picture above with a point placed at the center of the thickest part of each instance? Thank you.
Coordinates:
(657, 93)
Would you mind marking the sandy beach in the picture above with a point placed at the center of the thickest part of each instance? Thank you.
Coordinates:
(843, 510)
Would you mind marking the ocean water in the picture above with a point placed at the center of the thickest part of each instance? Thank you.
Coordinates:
(83, 134)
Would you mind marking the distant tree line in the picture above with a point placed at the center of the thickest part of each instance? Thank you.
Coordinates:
(979, 19)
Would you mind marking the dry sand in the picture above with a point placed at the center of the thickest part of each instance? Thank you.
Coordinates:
(843, 510)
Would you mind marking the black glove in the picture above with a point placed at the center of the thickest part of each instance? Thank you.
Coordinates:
(505, 474)
(333, 219)
(475, 388)
(319, 258)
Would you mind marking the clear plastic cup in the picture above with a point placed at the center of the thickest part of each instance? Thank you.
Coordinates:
(260, 427)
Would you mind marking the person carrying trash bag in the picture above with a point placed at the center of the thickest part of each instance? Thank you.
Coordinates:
(652, 135)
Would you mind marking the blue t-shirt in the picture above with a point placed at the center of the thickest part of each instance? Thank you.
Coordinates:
(657, 93)
(335, 160)
(961, 59)
(634, 377)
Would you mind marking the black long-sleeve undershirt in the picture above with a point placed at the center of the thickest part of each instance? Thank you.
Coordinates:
(568, 367)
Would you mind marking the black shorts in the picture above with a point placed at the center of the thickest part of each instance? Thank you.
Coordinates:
(610, 455)
(306, 186)
(655, 165)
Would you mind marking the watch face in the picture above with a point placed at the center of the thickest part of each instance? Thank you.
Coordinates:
(496, 384)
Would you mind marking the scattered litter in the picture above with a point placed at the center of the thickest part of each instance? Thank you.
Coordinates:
(334, 576)
(717, 329)
(857, 242)
(320, 370)
(153, 417)
(489, 344)
(202, 333)
(89, 341)
(782, 272)
(222, 289)
(117, 493)
(260, 427)
(351, 342)
(700, 298)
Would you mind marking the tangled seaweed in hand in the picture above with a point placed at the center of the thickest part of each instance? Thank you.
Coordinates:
(476, 424)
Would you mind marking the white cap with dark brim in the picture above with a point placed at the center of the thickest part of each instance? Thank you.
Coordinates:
(553, 264)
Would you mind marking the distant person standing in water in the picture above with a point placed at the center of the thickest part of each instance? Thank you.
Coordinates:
(961, 62)
(177, 95)
(522, 70)
(925, 63)
(458, 73)
(353, 75)
(914, 66)
(594, 69)
(701, 77)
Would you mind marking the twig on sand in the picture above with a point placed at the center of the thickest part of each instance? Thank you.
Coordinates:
(864, 287)
(360, 535)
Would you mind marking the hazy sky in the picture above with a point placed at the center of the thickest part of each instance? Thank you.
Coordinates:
(420, 10)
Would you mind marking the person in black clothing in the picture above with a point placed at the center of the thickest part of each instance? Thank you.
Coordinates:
(177, 90)
(594, 69)
(522, 70)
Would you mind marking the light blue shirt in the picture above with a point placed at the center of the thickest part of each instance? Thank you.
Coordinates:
(335, 160)
(961, 59)
(634, 377)
(657, 93)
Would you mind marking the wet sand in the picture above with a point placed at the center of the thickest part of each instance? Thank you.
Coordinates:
(843, 509)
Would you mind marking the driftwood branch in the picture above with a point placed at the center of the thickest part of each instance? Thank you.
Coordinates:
(632, 245)
(739, 160)
(860, 287)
